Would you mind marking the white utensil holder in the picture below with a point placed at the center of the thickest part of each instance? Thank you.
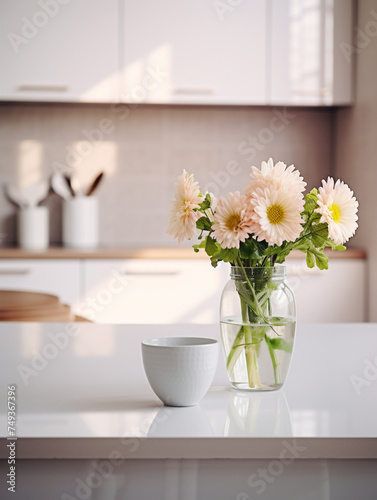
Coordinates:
(80, 222)
(33, 228)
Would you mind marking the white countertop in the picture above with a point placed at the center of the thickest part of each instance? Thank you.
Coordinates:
(92, 397)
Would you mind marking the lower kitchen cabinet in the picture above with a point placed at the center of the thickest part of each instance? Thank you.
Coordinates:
(55, 276)
(173, 291)
(188, 291)
(151, 291)
(336, 295)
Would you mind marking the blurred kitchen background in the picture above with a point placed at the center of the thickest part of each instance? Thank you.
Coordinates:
(139, 90)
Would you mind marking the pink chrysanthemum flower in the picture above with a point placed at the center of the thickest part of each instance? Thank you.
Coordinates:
(338, 207)
(277, 216)
(275, 177)
(182, 222)
(232, 221)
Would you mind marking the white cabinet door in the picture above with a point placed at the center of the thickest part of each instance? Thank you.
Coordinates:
(309, 60)
(152, 291)
(57, 277)
(59, 50)
(194, 52)
(337, 295)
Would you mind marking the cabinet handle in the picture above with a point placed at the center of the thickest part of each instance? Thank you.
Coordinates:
(17, 272)
(150, 273)
(194, 91)
(42, 88)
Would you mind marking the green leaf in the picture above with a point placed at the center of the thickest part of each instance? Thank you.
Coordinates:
(302, 245)
(320, 235)
(225, 254)
(280, 258)
(281, 344)
(211, 246)
(310, 260)
(204, 224)
(206, 203)
(340, 248)
(321, 260)
(281, 253)
(311, 200)
(228, 254)
(202, 244)
(253, 249)
(271, 250)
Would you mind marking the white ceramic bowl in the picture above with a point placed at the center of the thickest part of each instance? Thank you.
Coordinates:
(180, 370)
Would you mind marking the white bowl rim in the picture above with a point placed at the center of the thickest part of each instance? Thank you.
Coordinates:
(179, 342)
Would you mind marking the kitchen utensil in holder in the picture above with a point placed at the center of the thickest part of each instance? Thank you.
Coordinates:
(33, 228)
(80, 222)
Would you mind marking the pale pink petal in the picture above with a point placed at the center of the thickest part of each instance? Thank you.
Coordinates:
(184, 214)
(232, 221)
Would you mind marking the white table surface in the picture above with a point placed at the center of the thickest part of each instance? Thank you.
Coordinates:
(93, 393)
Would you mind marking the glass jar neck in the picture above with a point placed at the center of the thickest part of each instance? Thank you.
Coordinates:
(258, 273)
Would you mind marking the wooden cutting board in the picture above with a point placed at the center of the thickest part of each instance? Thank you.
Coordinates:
(59, 313)
(11, 300)
(34, 306)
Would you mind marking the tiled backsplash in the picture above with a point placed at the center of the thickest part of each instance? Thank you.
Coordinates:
(143, 149)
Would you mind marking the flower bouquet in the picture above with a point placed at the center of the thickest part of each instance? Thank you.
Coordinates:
(255, 231)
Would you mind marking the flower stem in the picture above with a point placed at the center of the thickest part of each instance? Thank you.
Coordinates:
(256, 307)
(275, 362)
(237, 348)
(250, 353)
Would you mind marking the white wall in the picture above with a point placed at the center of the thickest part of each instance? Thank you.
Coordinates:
(144, 152)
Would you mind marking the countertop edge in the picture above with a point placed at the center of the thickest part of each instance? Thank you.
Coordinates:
(193, 448)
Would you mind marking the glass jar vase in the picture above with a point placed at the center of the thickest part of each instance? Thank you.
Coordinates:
(258, 322)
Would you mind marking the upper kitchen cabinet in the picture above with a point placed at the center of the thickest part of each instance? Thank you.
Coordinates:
(309, 60)
(59, 50)
(226, 52)
(194, 52)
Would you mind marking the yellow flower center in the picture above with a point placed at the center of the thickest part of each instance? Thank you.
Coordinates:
(335, 212)
(186, 207)
(275, 214)
(233, 221)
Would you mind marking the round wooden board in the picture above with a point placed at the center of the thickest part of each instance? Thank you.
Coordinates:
(22, 300)
(54, 314)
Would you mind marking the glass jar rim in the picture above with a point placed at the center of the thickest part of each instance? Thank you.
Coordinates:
(258, 273)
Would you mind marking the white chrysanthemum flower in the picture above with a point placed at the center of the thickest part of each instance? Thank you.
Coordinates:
(275, 177)
(277, 216)
(338, 208)
(232, 221)
(182, 222)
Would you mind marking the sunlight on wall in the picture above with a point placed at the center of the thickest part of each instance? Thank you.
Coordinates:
(94, 155)
(30, 161)
(149, 77)
(309, 21)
